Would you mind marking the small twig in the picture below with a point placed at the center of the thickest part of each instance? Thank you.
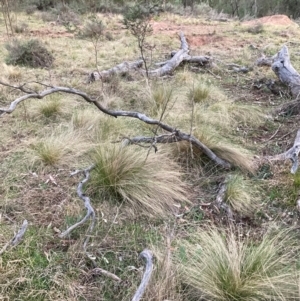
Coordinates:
(147, 255)
(17, 238)
(99, 271)
(273, 134)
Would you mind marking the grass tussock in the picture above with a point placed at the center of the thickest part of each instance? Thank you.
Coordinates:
(220, 266)
(50, 108)
(241, 195)
(61, 147)
(229, 152)
(199, 93)
(152, 185)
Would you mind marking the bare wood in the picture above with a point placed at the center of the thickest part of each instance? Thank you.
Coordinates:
(286, 72)
(265, 61)
(17, 238)
(147, 255)
(120, 69)
(87, 204)
(291, 154)
(179, 134)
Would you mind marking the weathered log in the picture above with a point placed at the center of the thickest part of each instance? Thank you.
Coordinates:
(291, 154)
(174, 62)
(264, 61)
(286, 72)
(121, 69)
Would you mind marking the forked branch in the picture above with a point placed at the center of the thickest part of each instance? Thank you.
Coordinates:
(291, 154)
(131, 114)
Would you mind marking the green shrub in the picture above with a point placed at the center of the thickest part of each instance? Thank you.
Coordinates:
(29, 53)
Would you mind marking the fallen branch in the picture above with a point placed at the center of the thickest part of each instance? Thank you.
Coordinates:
(165, 68)
(291, 154)
(144, 118)
(17, 238)
(265, 61)
(121, 69)
(147, 255)
(87, 204)
(286, 72)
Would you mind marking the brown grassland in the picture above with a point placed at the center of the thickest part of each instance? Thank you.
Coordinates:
(162, 201)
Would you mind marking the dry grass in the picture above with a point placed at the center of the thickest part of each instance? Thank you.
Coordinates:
(151, 185)
(219, 265)
(62, 147)
(242, 195)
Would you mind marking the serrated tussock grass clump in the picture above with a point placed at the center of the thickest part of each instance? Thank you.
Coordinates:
(61, 147)
(199, 93)
(241, 194)
(221, 266)
(225, 150)
(50, 108)
(152, 185)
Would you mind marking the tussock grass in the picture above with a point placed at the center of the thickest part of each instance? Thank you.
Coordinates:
(199, 93)
(61, 147)
(219, 265)
(50, 108)
(241, 194)
(152, 185)
(230, 152)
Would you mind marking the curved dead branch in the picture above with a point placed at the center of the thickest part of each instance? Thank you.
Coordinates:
(291, 154)
(177, 133)
(147, 255)
(87, 204)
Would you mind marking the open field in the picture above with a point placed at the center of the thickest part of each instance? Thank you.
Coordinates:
(164, 201)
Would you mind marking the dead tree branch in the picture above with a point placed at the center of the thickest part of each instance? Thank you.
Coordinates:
(121, 69)
(142, 117)
(147, 255)
(291, 154)
(17, 238)
(286, 72)
(87, 204)
(165, 68)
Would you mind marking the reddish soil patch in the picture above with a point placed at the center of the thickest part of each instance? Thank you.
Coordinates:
(272, 20)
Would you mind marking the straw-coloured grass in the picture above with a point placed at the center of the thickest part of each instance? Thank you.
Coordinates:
(218, 265)
(152, 185)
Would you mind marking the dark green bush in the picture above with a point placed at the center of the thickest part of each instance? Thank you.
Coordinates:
(30, 53)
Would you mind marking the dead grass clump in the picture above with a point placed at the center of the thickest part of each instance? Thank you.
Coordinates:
(61, 147)
(30, 53)
(150, 184)
(219, 265)
(12, 73)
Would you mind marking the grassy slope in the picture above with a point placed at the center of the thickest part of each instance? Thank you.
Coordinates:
(45, 267)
